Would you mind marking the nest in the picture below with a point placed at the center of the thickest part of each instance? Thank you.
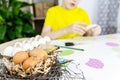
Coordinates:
(56, 72)
(49, 70)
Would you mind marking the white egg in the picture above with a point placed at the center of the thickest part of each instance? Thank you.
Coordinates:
(42, 41)
(30, 40)
(26, 46)
(8, 51)
(17, 49)
(47, 39)
(91, 26)
(37, 37)
(35, 43)
(18, 44)
(24, 42)
(31, 47)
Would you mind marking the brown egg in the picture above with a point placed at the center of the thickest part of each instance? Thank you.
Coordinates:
(39, 53)
(20, 56)
(30, 62)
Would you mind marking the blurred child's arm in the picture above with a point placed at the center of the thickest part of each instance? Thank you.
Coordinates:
(53, 34)
(73, 28)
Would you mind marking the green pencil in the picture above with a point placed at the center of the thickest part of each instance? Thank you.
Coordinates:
(70, 48)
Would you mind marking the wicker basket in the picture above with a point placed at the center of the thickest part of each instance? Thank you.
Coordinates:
(53, 74)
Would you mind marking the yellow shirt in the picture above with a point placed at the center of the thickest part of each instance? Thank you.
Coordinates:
(58, 18)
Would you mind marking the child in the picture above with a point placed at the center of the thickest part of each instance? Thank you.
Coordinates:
(68, 21)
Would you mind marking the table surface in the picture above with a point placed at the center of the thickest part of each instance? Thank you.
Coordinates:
(101, 58)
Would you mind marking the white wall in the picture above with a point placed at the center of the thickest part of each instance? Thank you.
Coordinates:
(91, 7)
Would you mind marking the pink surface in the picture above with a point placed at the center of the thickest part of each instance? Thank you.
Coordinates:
(94, 63)
(112, 44)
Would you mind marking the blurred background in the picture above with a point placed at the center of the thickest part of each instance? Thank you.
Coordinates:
(103, 12)
(27, 21)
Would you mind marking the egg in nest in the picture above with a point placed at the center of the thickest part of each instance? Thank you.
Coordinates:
(30, 62)
(39, 54)
(30, 59)
(20, 56)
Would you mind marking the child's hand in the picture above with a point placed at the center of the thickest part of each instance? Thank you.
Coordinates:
(93, 31)
(78, 28)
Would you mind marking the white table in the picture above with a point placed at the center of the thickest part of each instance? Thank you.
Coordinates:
(105, 49)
